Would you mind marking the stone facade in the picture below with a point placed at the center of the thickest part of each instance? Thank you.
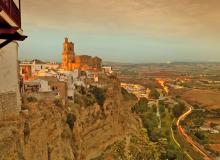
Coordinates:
(8, 104)
(83, 62)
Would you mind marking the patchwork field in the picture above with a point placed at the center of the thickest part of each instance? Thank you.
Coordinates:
(215, 147)
(206, 98)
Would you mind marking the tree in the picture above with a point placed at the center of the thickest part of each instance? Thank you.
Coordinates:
(141, 106)
(127, 96)
(200, 135)
(154, 108)
(70, 120)
(212, 125)
(99, 94)
(198, 121)
(178, 109)
(162, 147)
(154, 94)
(162, 108)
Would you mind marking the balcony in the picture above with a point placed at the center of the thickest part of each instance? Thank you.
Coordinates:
(12, 11)
(10, 22)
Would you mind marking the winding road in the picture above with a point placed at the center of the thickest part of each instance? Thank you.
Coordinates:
(195, 145)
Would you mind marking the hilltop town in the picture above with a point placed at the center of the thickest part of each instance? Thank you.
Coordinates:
(44, 79)
(85, 108)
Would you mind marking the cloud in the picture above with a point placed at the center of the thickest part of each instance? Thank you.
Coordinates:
(150, 17)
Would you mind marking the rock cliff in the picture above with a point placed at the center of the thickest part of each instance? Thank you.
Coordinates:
(48, 130)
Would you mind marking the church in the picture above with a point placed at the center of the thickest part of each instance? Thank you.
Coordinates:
(83, 62)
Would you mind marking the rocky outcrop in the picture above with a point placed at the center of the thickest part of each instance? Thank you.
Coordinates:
(47, 130)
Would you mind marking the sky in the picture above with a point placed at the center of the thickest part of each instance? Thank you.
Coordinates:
(136, 31)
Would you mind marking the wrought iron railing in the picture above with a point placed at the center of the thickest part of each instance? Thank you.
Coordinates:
(12, 10)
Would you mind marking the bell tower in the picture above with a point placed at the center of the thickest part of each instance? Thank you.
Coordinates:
(68, 55)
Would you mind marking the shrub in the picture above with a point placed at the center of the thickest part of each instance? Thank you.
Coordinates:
(171, 154)
(126, 95)
(89, 99)
(99, 94)
(24, 107)
(58, 103)
(141, 106)
(178, 109)
(26, 132)
(70, 120)
(200, 135)
(31, 99)
(154, 94)
(162, 108)
(174, 127)
(154, 108)
(212, 125)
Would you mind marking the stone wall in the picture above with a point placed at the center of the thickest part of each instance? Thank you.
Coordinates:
(8, 104)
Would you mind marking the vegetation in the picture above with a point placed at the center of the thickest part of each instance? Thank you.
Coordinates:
(99, 94)
(70, 120)
(161, 107)
(178, 109)
(154, 94)
(26, 132)
(88, 97)
(138, 147)
(142, 148)
(31, 99)
(200, 135)
(195, 121)
(127, 96)
(58, 103)
(161, 136)
(141, 106)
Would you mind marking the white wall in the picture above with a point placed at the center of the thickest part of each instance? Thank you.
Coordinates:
(9, 77)
(39, 67)
(44, 85)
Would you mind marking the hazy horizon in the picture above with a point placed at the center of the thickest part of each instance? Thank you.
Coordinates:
(130, 31)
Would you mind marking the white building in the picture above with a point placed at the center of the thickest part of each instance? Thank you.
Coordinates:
(71, 77)
(39, 66)
(47, 73)
(43, 85)
(107, 69)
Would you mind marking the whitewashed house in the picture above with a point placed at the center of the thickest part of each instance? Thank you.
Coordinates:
(44, 85)
(71, 77)
(107, 69)
(9, 80)
(37, 85)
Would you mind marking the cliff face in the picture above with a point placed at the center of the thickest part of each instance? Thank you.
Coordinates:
(47, 130)
(98, 127)
(40, 133)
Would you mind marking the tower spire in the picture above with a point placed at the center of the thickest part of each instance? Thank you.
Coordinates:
(66, 40)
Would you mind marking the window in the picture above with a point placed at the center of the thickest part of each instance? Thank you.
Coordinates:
(23, 71)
